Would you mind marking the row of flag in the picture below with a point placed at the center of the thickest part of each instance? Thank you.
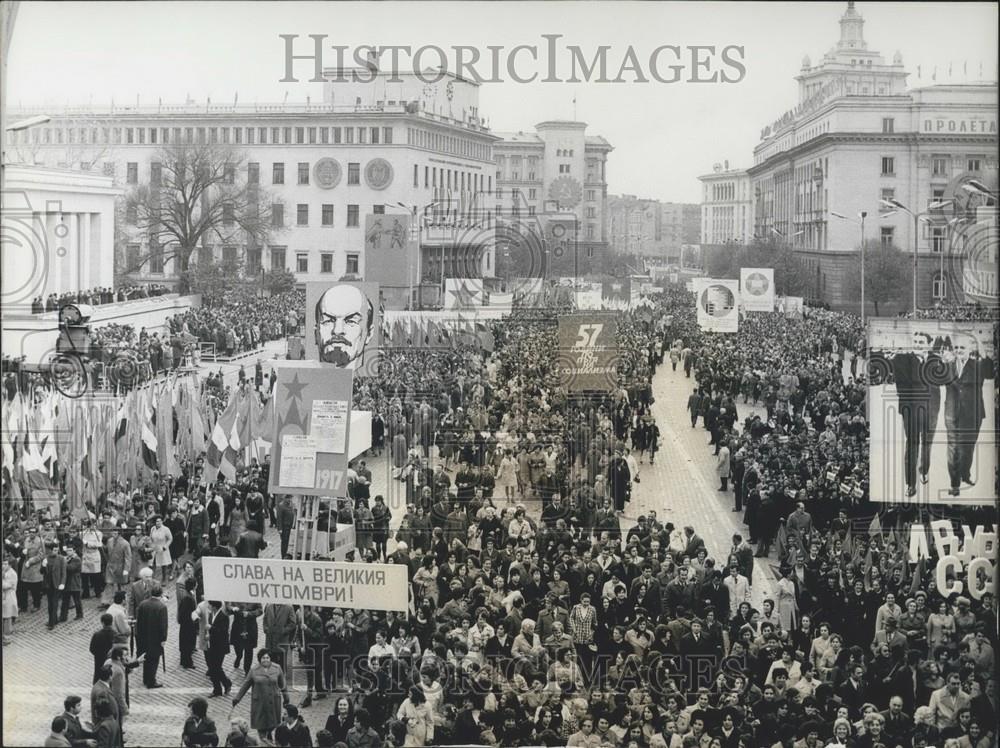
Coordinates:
(52, 443)
(417, 331)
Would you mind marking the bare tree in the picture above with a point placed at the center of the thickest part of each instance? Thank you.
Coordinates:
(199, 195)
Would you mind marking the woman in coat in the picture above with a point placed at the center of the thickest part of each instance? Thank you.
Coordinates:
(238, 519)
(380, 525)
(267, 681)
(788, 610)
(161, 539)
(90, 557)
(10, 610)
(722, 467)
(416, 715)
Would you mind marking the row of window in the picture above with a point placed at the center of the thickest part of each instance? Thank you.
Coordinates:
(451, 179)
(253, 255)
(442, 143)
(202, 135)
(939, 165)
(326, 215)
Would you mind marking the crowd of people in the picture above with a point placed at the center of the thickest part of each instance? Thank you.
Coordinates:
(545, 610)
(242, 320)
(97, 296)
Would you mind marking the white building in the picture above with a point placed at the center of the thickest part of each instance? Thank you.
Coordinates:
(59, 233)
(858, 136)
(726, 206)
(362, 150)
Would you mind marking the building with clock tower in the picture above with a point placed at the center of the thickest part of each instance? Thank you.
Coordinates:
(552, 182)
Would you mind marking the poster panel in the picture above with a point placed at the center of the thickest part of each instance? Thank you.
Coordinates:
(717, 302)
(389, 249)
(326, 584)
(757, 289)
(309, 452)
(343, 323)
(588, 351)
(931, 406)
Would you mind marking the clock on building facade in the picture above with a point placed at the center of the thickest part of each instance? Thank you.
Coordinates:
(566, 191)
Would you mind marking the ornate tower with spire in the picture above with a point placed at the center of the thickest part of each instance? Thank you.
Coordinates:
(851, 65)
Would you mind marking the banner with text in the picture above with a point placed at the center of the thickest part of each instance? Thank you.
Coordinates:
(717, 301)
(327, 584)
(588, 351)
(757, 289)
(312, 425)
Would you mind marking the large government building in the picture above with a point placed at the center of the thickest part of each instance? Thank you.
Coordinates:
(365, 148)
(726, 206)
(859, 136)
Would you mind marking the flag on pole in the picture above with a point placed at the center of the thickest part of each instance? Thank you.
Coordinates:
(875, 528)
(148, 443)
(220, 445)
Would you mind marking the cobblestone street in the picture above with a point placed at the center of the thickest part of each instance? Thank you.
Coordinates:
(40, 668)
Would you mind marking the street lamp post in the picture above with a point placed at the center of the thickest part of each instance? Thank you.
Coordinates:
(861, 222)
(896, 205)
(413, 210)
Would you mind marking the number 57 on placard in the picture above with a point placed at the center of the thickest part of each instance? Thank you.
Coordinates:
(586, 336)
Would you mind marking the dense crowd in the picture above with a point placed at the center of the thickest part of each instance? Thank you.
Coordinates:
(540, 614)
(242, 320)
(97, 296)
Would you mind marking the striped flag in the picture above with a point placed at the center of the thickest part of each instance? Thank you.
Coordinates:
(219, 446)
(148, 443)
(166, 457)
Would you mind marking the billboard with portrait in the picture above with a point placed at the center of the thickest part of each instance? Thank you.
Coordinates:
(931, 411)
(343, 323)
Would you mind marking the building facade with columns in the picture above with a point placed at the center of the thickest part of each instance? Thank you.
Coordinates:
(857, 137)
(553, 180)
(726, 206)
(363, 149)
(59, 232)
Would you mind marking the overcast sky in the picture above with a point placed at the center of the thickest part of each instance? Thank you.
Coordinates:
(664, 134)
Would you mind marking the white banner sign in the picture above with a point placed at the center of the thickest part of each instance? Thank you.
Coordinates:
(327, 584)
(757, 289)
(790, 306)
(717, 302)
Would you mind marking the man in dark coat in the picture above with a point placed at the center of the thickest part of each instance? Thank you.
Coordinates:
(250, 544)
(619, 480)
(53, 580)
(218, 647)
(964, 409)
(151, 633)
(101, 643)
(919, 402)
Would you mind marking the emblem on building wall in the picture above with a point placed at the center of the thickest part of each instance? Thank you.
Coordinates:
(326, 173)
(378, 173)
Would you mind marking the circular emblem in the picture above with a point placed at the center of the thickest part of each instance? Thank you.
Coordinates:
(566, 191)
(717, 301)
(757, 284)
(378, 173)
(326, 173)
